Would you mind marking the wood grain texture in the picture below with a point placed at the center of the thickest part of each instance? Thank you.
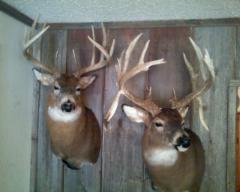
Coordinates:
(237, 76)
(49, 168)
(220, 42)
(169, 43)
(231, 138)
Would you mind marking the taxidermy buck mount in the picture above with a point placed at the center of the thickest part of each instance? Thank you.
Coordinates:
(73, 128)
(173, 155)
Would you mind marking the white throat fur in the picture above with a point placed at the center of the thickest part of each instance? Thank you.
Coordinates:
(164, 157)
(58, 115)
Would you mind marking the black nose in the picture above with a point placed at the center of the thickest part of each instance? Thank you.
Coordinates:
(67, 106)
(184, 141)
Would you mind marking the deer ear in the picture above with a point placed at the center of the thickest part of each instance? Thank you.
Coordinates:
(86, 81)
(183, 111)
(136, 114)
(44, 78)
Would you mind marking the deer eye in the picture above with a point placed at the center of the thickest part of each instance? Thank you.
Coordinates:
(158, 124)
(56, 88)
(78, 89)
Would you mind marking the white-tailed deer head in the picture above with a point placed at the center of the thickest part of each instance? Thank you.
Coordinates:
(73, 128)
(173, 154)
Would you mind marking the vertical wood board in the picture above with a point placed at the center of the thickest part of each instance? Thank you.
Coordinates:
(220, 42)
(231, 149)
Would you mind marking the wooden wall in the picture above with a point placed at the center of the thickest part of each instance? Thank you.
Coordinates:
(120, 166)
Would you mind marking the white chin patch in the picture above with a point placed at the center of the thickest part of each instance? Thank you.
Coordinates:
(164, 157)
(182, 149)
(57, 114)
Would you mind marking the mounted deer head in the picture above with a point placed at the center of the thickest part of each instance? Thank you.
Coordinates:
(74, 130)
(173, 155)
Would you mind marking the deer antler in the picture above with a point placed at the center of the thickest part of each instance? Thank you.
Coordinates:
(105, 55)
(32, 37)
(123, 75)
(204, 60)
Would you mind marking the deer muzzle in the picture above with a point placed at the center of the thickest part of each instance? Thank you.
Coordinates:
(68, 106)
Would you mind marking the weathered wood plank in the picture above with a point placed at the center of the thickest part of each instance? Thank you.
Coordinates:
(122, 160)
(49, 168)
(237, 76)
(220, 41)
(237, 63)
(89, 177)
(231, 136)
(169, 43)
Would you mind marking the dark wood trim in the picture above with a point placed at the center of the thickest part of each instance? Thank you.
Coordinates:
(11, 11)
(153, 24)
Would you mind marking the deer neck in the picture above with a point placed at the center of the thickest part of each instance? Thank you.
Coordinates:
(156, 153)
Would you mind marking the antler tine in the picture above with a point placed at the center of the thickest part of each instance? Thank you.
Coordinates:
(31, 38)
(129, 52)
(104, 41)
(205, 60)
(238, 108)
(141, 60)
(124, 76)
(105, 57)
(74, 56)
(93, 50)
(118, 67)
(193, 77)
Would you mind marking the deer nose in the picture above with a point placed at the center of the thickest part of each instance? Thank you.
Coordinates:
(184, 141)
(68, 106)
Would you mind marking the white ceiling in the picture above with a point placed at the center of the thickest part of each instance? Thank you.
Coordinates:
(79, 11)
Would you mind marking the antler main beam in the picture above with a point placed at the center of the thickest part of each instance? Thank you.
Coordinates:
(205, 61)
(105, 57)
(31, 38)
(124, 74)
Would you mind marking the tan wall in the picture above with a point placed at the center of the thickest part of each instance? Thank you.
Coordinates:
(16, 90)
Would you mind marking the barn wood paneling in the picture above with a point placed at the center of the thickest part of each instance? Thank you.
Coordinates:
(231, 140)
(120, 167)
(237, 76)
(220, 41)
(169, 43)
